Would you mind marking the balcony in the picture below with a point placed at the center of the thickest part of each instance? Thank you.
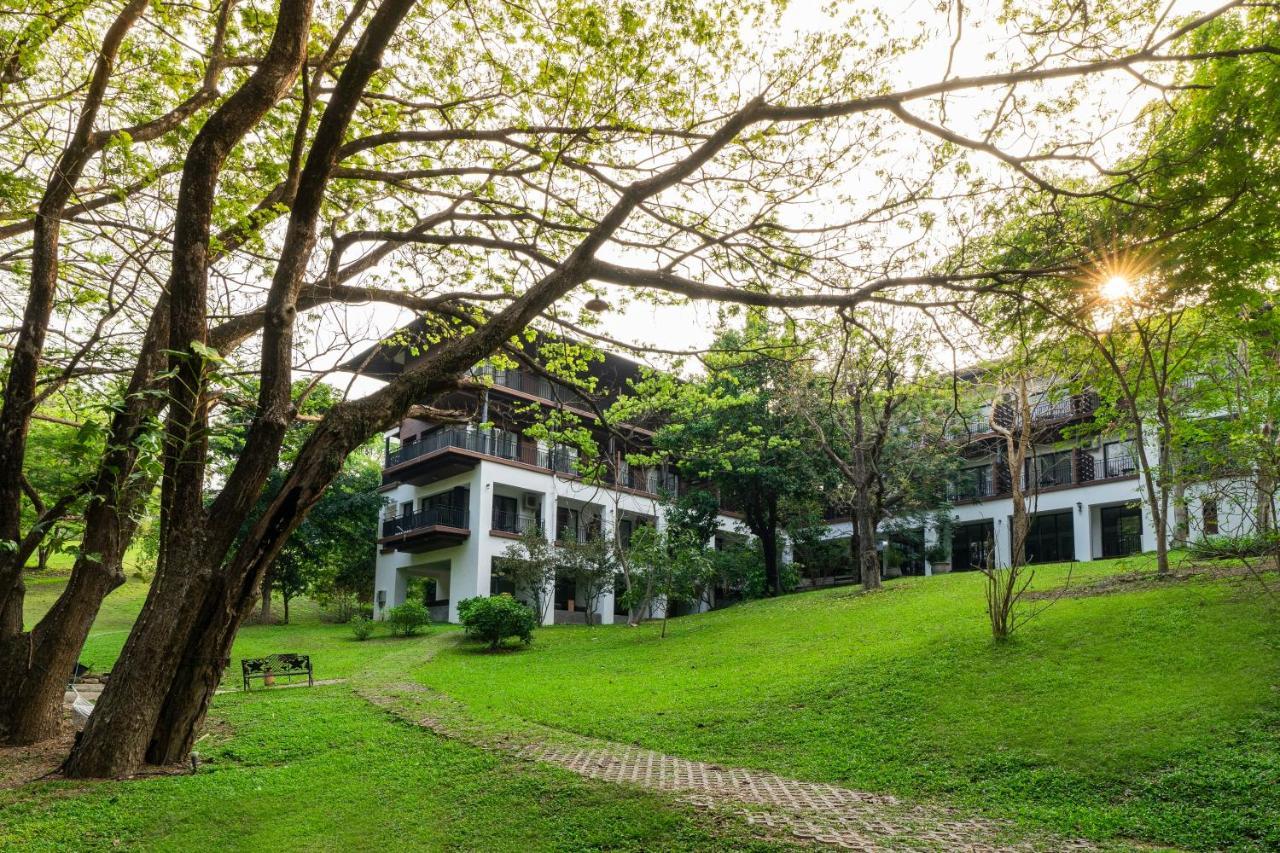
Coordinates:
(514, 521)
(972, 489)
(427, 529)
(1047, 472)
(1054, 411)
(1119, 466)
(446, 452)
(534, 386)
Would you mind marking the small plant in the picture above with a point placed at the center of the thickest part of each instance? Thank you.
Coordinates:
(408, 619)
(495, 618)
(361, 627)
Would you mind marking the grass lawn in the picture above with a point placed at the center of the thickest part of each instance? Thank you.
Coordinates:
(1150, 715)
(322, 769)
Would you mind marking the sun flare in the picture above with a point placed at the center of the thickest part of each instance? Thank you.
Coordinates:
(1117, 288)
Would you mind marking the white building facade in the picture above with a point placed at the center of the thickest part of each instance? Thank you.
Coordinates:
(1086, 498)
(456, 527)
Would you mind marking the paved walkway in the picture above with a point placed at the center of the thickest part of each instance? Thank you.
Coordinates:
(808, 811)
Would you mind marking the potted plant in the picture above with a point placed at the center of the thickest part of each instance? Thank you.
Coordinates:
(939, 557)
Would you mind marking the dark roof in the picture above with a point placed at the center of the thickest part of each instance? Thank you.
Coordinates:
(379, 361)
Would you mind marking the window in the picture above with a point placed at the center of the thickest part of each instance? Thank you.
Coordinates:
(566, 524)
(1209, 510)
(1118, 459)
(1050, 538)
(1049, 469)
(973, 483)
(506, 514)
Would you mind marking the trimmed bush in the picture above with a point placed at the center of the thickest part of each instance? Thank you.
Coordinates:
(495, 618)
(408, 619)
(361, 627)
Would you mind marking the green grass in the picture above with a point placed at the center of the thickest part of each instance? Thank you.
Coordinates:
(1151, 714)
(322, 769)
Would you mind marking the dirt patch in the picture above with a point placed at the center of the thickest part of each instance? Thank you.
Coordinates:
(22, 764)
(1143, 580)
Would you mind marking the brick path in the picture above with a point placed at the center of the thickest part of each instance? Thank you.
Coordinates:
(807, 811)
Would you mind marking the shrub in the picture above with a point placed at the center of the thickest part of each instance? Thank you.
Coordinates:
(408, 619)
(361, 627)
(492, 620)
(341, 606)
(1236, 547)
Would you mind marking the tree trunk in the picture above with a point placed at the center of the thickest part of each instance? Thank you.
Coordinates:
(286, 597)
(869, 558)
(768, 537)
(265, 615)
(39, 664)
(116, 738)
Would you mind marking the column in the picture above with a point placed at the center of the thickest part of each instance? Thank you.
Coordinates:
(608, 520)
(1003, 542)
(1082, 527)
(548, 616)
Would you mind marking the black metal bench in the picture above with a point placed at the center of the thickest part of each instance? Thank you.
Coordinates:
(276, 665)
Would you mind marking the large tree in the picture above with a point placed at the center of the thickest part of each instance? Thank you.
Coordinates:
(730, 431)
(589, 146)
(877, 413)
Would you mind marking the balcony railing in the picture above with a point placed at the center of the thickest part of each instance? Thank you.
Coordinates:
(506, 520)
(505, 445)
(972, 489)
(1045, 476)
(431, 516)
(1119, 466)
(536, 386)
(501, 444)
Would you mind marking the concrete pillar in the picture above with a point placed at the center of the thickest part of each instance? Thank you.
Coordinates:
(548, 616)
(1082, 527)
(1003, 542)
(930, 540)
(608, 521)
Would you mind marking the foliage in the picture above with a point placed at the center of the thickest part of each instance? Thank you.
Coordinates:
(1266, 544)
(531, 566)
(406, 620)
(341, 606)
(493, 619)
(593, 566)
(361, 627)
(727, 430)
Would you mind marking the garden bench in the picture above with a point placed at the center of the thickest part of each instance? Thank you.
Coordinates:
(269, 667)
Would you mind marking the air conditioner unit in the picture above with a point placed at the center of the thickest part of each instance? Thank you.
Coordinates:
(531, 501)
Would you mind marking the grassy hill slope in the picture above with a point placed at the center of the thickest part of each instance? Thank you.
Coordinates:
(1149, 713)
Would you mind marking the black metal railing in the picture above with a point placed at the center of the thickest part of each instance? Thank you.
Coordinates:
(506, 445)
(536, 386)
(506, 520)
(431, 516)
(1119, 466)
(491, 443)
(972, 488)
(1045, 473)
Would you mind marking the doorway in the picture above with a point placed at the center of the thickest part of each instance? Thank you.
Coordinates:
(1121, 530)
